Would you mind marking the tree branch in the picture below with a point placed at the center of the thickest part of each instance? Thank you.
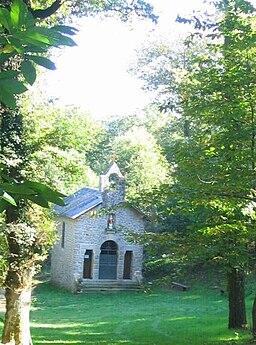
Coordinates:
(42, 14)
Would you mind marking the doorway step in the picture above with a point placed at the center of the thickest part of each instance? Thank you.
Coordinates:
(87, 286)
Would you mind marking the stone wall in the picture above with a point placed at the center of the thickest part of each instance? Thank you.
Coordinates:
(62, 259)
(89, 233)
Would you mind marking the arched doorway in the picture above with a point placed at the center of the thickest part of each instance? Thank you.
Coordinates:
(108, 260)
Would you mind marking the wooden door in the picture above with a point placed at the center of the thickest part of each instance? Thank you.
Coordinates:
(88, 264)
(127, 264)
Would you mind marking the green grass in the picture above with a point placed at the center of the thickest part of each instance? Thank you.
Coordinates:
(195, 317)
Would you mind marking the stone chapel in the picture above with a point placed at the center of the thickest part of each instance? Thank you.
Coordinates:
(92, 252)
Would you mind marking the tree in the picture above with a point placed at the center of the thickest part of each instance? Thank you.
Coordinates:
(24, 44)
(216, 162)
(139, 157)
(59, 143)
(214, 158)
(25, 244)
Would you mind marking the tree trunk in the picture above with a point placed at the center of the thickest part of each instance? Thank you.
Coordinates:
(21, 261)
(17, 327)
(236, 297)
(18, 284)
(254, 319)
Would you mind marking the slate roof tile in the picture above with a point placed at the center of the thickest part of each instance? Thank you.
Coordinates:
(78, 203)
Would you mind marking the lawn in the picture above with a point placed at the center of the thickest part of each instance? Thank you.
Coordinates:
(195, 317)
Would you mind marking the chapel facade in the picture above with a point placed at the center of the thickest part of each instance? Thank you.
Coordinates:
(92, 252)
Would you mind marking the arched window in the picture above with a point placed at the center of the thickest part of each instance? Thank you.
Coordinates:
(113, 181)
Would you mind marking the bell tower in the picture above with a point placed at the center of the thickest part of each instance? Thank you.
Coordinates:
(112, 186)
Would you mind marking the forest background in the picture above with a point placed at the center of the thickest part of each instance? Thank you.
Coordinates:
(189, 157)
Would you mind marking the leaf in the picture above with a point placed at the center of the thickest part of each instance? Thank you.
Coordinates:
(16, 44)
(42, 61)
(69, 30)
(36, 34)
(8, 74)
(4, 57)
(17, 188)
(54, 37)
(67, 41)
(39, 200)
(30, 20)
(9, 87)
(43, 37)
(34, 191)
(7, 197)
(8, 48)
(7, 98)
(12, 86)
(60, 39)
(3, 205)
(5, 18)
(18, 13)
(47, 192)
(37, 44)
(31, 49)
(28, 71)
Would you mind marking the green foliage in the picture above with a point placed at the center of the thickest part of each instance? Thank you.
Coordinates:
(141, 161)
(21, 38)
(161, 64)
(214, 157)
(59, 144)
(123, 8)
(178, 316)
(66, 170)
(128, 140)
(34, 234)
(216, 162)
(159, 268)
(209, 211)
(14, 191)
(21, 35)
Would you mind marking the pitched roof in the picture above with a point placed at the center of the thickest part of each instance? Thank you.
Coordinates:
(78, 203)
(114, 169)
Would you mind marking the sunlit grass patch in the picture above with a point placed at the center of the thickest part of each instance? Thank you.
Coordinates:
(194, 317)
(160, 318)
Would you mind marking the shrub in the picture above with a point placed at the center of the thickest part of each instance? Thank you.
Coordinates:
(159, 268)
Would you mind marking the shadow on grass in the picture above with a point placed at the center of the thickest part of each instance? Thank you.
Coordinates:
(130, 332)
(162, 318)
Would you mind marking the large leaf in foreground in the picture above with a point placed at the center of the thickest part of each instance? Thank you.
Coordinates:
(46, 192)
(13, 191)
